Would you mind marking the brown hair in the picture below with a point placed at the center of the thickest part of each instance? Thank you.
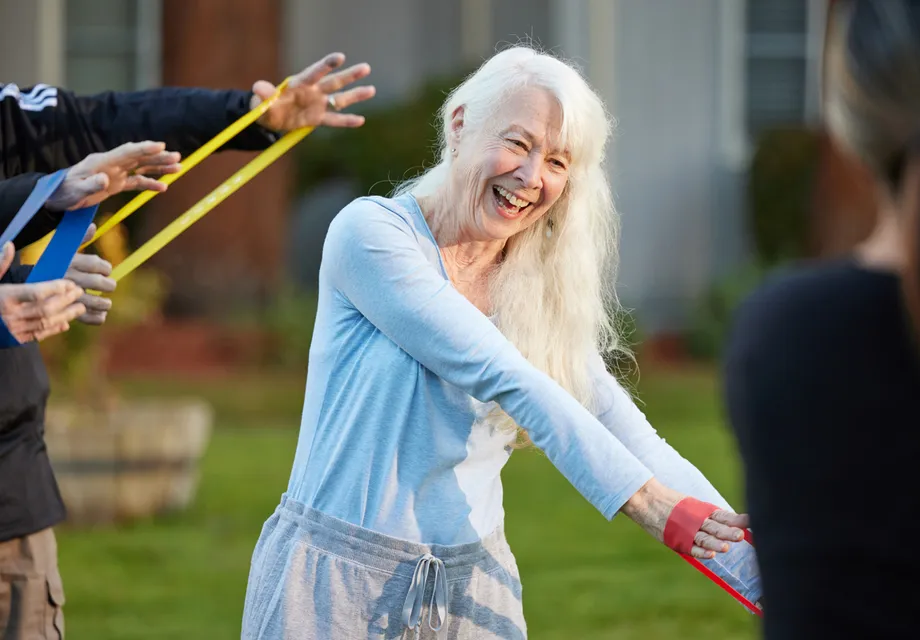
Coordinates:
(872, 91)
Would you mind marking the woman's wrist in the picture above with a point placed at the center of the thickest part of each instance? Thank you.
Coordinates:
(651, 506)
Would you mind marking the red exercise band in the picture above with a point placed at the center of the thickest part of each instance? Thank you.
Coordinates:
(706, 571)
(685, 521)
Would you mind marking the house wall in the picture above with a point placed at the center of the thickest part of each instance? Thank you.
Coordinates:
(673, 73)
(234, 256)
(678, 197)
(403, 40)
(406, 41)
(657, 63)
(31, 49)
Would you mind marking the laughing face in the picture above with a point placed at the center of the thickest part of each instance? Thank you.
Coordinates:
(514, 169)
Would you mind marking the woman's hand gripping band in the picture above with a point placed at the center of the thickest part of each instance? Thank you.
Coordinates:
(685, 524)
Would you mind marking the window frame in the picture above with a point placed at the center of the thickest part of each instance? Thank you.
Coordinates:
(141, 47)
(735, 48)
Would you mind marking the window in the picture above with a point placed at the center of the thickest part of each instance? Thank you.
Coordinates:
(112, 45)
(782, 62)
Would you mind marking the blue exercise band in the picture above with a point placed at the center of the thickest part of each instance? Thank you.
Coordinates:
(57, 256)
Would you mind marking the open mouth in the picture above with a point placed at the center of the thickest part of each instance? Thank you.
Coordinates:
(509, 205)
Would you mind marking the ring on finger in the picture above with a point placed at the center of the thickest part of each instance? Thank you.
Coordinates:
(330, 100)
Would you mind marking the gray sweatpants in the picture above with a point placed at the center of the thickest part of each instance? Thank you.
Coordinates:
(319, 578)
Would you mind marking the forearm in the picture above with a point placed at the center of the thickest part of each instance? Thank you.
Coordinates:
(674, 476)
(603, 470)
(619, 414)
(738, 566)
(648, 508)
(183, 118)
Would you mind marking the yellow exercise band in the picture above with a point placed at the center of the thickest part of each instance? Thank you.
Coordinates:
(218, 195)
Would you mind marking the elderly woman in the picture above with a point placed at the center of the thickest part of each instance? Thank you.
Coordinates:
(464, 312)
(823, 370)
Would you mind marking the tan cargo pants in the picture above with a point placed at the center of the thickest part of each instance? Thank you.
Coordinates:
(31, 592)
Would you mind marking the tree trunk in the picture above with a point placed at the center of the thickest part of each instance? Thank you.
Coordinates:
(234, 256)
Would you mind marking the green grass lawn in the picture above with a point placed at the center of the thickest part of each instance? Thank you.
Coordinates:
(184, 577)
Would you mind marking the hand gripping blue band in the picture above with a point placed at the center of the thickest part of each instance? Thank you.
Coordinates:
(65, 243)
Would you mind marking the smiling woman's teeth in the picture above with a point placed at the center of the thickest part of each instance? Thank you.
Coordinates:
(513, 200)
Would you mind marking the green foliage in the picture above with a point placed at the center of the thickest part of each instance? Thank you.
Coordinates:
(289, 318)
(779, 192)
(780, 187)
(711, 318)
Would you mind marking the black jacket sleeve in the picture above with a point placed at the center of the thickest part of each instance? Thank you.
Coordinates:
(17, 273)
(13, 193)
(45, 128)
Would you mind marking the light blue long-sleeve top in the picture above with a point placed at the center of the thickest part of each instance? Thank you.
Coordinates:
(403, 370)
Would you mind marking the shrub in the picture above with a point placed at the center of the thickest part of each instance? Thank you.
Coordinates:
(781, 181)
(779, 191)
(712, 316)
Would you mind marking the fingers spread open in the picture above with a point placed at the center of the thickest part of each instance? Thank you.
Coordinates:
(158, 170)
(137, 150)
(347, 98)
(158, 160)
(144, 183)
(316, 71)
(339, 79)
(342, 120)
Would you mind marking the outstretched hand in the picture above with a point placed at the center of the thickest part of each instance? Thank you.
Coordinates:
(314, 97)
(98, 176)
(653, 505)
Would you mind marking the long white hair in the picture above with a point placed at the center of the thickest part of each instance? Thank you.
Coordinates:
(553, 293)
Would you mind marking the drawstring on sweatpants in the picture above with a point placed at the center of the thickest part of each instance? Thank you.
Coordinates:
(412, 609)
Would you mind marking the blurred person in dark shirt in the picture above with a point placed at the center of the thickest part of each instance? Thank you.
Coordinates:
(822, 372)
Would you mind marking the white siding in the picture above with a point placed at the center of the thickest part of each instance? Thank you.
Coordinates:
(31, 49)
(666, 154)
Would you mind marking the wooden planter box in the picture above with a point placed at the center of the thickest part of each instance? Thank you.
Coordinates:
(135, 461)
